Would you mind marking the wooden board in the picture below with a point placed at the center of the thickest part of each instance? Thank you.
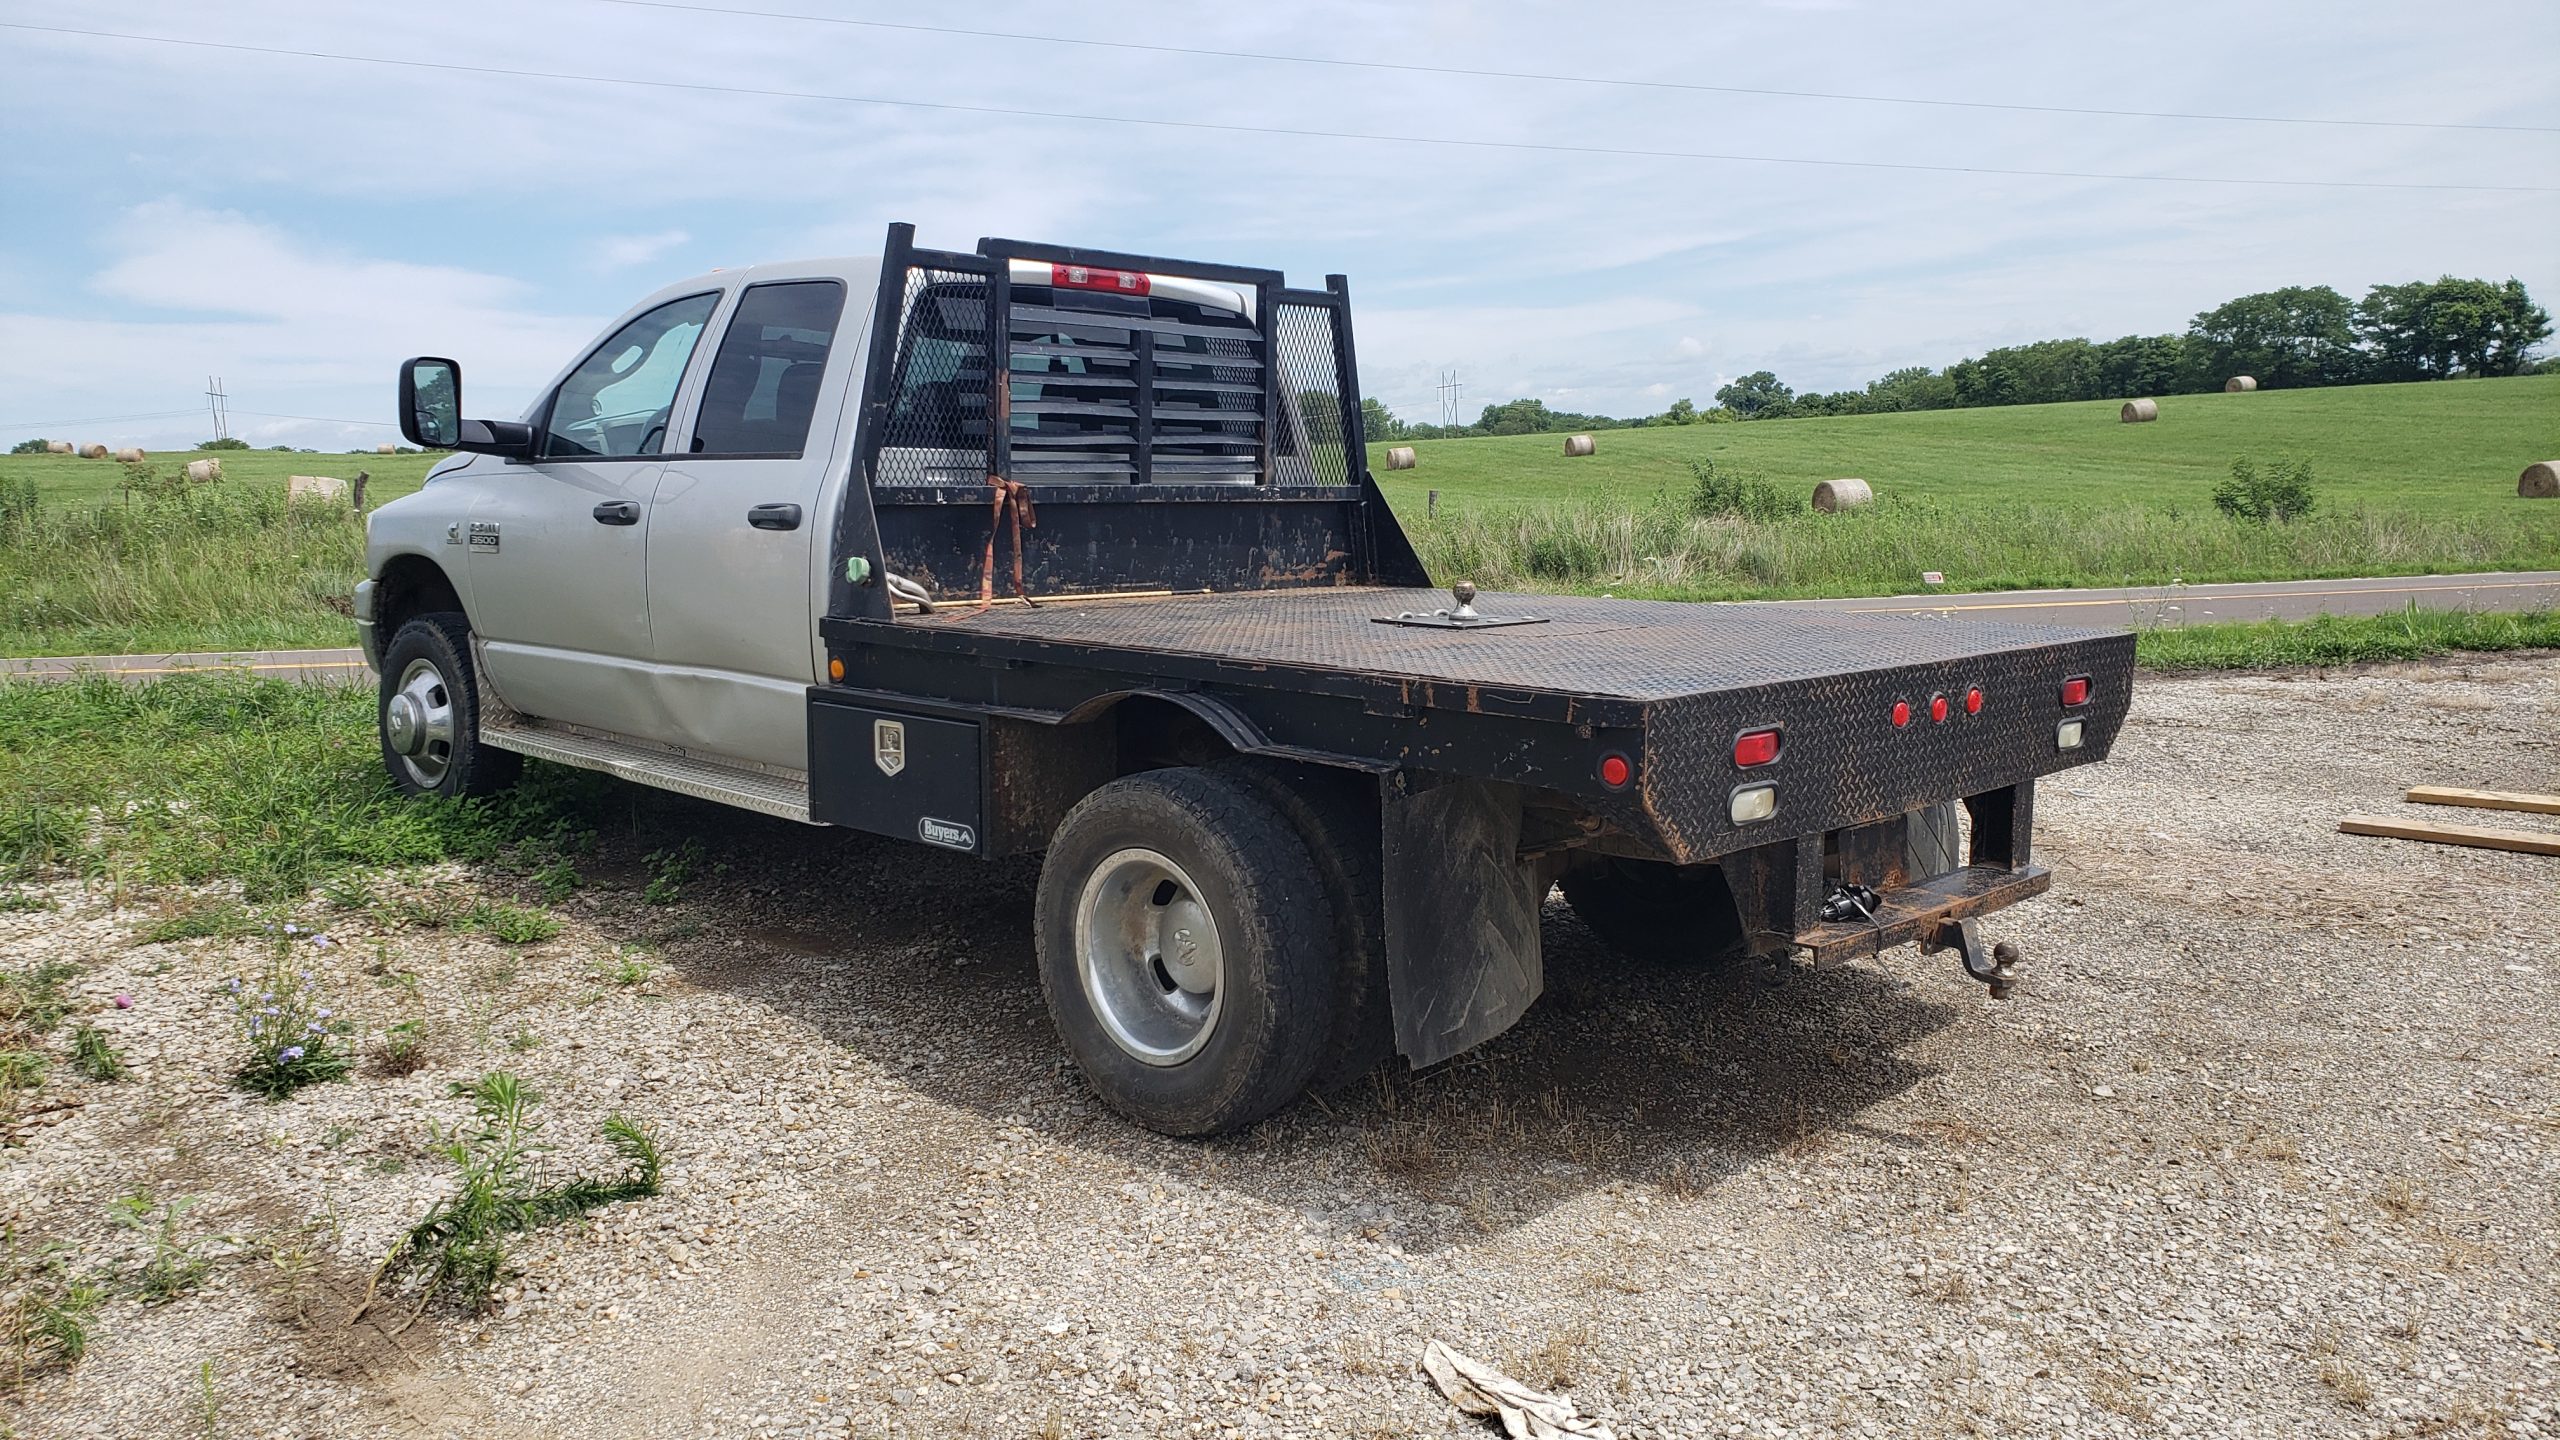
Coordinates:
(2479, 837)
(2485, 799)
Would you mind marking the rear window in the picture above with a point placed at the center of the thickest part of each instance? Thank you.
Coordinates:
(763, 387)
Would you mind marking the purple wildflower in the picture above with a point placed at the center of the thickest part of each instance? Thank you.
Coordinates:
(290, 1052)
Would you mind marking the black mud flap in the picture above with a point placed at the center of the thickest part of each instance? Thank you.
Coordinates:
(1462, 908)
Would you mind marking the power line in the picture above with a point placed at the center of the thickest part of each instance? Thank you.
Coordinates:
(1554, 78)
(94, 420)
(706, 88)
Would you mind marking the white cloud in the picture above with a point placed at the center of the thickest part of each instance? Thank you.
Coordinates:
(621, 252)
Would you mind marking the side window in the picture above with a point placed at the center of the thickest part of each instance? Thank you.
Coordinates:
(764, 380)
(616, 402)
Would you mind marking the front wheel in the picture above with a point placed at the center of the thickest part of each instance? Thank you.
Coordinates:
(428, 713)
(1182, 934)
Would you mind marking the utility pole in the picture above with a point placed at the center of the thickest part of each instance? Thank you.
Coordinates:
(1452, 396)
(214, 398)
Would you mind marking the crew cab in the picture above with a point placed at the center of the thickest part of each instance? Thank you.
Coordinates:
(1034, 549)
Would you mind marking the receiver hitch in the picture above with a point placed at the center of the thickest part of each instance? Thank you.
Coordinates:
(1995, 967)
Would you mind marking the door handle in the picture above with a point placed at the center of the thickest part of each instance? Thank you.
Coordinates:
(774, 517)
(618, 512)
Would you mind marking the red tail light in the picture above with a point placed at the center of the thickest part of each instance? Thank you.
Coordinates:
(2075, 691)
(1901, 713)
(1615, 771)
(1938, 709)
(1755, 747)
(1973, 701)
(1086, 277)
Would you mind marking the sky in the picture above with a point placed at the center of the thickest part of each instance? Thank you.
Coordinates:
(297, 225)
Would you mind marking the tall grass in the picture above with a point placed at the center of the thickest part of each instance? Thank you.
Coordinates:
(1662, 548)
(173, 566)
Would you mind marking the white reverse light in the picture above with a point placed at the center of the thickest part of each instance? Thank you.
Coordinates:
(1756, 802)
(2068, 736)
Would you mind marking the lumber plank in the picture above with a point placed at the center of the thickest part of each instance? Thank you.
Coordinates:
(2479, 837)
(2484, 799)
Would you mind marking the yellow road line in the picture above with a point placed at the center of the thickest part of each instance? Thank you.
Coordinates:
(2191, 594)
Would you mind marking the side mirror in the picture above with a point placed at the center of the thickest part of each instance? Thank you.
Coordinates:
(431, 403)
(431, 413)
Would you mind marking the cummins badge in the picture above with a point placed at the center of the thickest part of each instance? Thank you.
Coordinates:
(889, 745)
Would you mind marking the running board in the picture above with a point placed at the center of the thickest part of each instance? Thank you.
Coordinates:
(785, 794)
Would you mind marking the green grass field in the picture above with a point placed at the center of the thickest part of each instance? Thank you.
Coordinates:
(2409, 479)
(64, 481)
(2445, 448)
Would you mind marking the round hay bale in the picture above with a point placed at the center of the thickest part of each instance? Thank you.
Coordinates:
(93, 452)
(2239, 384)
(1400, 458)
(2540, 481)
(130, 455)
(203, 471)
(57, 447)
(1833, 496)
(2137, 411)
(314, 487)
(386, 449)
(1578, 445)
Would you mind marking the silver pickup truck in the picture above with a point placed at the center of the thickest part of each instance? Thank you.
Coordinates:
(1035, 549)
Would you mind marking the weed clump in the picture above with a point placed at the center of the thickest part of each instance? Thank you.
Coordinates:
(92, 1056)
(1718, 490)
(458, 1248)
(2279, 493)
(511, 924)
(293, 1037)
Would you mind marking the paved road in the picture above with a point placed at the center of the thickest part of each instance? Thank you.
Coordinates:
(2153, 606)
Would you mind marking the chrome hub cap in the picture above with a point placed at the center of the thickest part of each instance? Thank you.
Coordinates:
(1148, 955)
(417, 723)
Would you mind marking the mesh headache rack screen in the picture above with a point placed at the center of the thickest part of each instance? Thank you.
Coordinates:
(1219, 382)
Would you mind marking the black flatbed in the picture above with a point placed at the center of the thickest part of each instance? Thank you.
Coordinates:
(1637, 650)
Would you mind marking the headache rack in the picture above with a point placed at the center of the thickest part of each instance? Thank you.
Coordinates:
(1178, 426)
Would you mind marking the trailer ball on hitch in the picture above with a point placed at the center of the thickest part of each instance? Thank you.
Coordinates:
(1995, 967)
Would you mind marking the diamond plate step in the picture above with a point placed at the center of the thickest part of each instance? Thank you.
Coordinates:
(785, 794)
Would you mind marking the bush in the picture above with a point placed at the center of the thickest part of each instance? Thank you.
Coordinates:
(227, 442)
(2281, 492)
(1719, 491)
(27, 447)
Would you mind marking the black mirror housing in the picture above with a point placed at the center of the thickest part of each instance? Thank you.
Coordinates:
(431, 413)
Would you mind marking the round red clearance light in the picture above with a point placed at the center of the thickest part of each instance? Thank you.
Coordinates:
(1973, 701)
(1616, 771)
(1939, 709)
(1901, 713)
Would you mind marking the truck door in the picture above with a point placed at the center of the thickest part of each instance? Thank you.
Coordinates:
(735, 531)
(557, 546)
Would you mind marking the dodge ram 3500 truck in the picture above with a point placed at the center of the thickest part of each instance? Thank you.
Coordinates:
(1030, 549)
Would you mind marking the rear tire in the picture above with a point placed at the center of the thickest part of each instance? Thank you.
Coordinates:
(1325, 806)
(1183, 935)
(1676, 915)
(428, 713)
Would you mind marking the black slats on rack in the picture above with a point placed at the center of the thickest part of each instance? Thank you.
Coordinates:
(1122, 387)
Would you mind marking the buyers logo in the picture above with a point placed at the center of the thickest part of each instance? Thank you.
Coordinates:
(950, 834)
(889, 746)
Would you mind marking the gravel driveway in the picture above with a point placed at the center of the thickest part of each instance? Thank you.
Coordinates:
(2267, 1144)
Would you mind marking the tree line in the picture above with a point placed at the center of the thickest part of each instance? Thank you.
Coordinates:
(2296, 337)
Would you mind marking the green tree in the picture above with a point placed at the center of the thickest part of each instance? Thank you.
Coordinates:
(2427, 330)
(2142, 365)
(1913, 387)
(1759, 395)
(27, 447)
(1377, 422)
(2299, 335)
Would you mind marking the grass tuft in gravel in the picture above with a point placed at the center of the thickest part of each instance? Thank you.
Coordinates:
(173, 1267)
(458, 1248)
(48, 1323)
(92, 1056)
(511, 924)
